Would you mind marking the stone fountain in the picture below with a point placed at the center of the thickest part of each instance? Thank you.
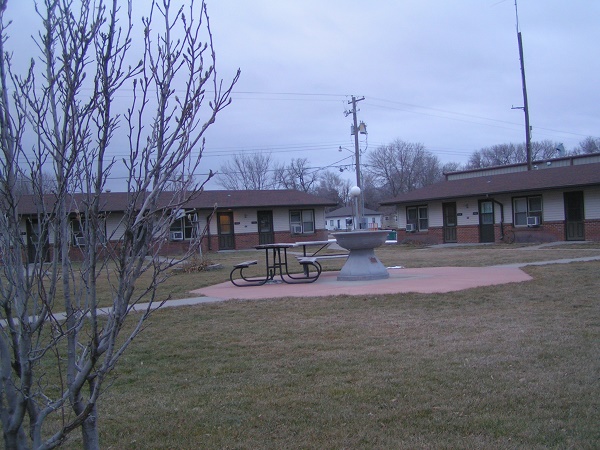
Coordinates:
(362, 264)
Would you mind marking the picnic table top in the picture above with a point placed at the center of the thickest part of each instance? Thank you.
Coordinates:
(294, 244)
(305, 243)
(278, 245)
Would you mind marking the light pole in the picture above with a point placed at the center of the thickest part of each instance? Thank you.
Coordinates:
(360, 199)
(362, 129)
(355, 192)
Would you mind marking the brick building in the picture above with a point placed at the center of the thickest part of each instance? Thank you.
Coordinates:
(558, 199)
(231, 219)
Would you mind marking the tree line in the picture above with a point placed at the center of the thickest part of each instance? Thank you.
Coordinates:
(387, 171)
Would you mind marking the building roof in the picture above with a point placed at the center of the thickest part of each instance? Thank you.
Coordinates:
(506, 183)
(346, 211)
(224, 199)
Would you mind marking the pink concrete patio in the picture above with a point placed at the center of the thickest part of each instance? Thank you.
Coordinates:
(424, 280)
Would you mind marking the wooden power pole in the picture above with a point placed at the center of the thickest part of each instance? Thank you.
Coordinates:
(525, 104)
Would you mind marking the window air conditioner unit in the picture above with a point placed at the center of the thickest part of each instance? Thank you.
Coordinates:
(533, 221)
(176, 235)
(411, 227)
(80, 240)
(297, 229)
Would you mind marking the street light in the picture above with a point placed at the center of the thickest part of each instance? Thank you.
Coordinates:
(361, 204)
(355, 193)
(358, 184)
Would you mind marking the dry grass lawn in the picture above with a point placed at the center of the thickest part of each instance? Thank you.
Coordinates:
(512, 366)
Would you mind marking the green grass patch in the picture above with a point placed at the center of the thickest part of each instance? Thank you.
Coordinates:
(509, 366)
(513, 366)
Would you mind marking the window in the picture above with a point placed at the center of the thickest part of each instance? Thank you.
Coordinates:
(182, 227)
(417, 215)
(79, 225)
(302, 221)
(524, 207)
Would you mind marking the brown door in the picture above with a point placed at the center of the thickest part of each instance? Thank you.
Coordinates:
(265, 227)
(574, 216)
(486, 221)
(449, 222)
(225, 231)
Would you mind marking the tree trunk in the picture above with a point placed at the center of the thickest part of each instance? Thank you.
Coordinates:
(89, 431)
(15, 440)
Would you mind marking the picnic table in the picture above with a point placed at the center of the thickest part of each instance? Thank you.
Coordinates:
(276, 263)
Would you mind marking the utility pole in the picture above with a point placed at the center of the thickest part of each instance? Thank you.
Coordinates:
(525, 104)
(353, 102)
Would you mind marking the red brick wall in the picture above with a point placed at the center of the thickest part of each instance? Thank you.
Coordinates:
(592, 230)
(547, 232)
(468, 234)
(433, 235)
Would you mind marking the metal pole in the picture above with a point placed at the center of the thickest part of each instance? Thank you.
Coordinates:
(360, 210)
(525, 106)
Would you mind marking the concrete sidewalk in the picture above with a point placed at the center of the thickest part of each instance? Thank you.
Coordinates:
(401, 280)
(424, 280)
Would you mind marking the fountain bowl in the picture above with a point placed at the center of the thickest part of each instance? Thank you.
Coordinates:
(361, 239)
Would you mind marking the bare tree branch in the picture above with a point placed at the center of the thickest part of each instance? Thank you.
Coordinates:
(70, 106)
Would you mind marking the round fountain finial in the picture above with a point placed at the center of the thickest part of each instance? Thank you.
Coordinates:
(354, 191)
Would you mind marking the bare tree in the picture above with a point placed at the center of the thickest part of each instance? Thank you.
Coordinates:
(506, 154)
(451, 167)
(56, 349)
(333, 187)
(26, 183)
(588, 145)
(373, 193)
(297, 175)
(402, 167)
(497, 155)
(247, 172)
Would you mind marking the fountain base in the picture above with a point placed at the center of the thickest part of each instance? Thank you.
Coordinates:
(362, 264)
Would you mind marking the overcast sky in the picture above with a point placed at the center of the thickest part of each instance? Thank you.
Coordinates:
(442, 73)
(438, 72)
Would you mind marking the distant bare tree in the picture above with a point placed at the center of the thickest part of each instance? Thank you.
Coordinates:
(497, 155)
(451, 167)
(297, 175)
(26, 184)
(588, 145)
(247, 172)
(506, 154)
(373, 193)
(544, 150)
(332, 186)
(402, 167)
(56, 349)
